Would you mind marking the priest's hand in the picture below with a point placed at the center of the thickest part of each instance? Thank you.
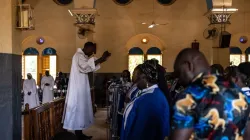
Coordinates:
(106, 55)
(29, 93)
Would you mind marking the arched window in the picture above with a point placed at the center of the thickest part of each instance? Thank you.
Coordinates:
(122, 2)
(236, 56)
(49, 61)
(154, 53)
(166, 2)
(135, 58)
(247, 52)
(30, 63)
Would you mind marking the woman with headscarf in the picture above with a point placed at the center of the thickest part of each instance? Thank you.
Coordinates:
(146, 117)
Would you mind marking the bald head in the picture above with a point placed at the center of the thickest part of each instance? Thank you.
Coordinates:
(188, 64)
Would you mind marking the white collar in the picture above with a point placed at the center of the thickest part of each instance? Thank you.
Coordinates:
(245, 89)
(79, 50)
(150, 88)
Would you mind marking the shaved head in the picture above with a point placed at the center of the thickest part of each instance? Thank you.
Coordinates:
(188, 64)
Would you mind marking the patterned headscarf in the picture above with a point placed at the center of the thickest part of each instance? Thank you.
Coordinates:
(150, 69)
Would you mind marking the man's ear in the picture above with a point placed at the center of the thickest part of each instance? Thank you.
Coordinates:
(189, 66)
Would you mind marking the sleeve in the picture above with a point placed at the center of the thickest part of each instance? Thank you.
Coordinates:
(34, 89)
(24, 88)
(52, 82)
(152, 122)
(97, 67)
(42, 83)
(183, 116)
(87, 65)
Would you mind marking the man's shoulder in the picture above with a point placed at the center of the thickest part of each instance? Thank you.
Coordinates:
(208, 84)
(196, 89)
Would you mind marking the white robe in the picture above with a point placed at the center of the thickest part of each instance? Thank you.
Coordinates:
(29, 85)
(48, 94)
(78, 111)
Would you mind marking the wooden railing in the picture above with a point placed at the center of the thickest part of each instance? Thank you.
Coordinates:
(43, 122)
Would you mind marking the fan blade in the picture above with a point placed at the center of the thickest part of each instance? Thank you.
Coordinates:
(162, 24)
(143, 23)
(151, 26)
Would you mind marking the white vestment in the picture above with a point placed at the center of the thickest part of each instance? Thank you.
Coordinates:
(29, 85)
(78, 111)
(48, 94)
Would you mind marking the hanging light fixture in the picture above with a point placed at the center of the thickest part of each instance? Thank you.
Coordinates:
(144, 40)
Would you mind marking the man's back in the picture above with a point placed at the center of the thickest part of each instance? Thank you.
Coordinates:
(214, 109)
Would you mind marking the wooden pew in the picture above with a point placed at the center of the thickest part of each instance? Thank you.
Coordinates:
(42, 119)
(43, 122)
(27, 118)
(57, 108)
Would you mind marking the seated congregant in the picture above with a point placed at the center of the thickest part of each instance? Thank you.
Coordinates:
(146, 117)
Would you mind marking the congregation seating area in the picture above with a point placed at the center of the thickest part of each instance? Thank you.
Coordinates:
(43, 122)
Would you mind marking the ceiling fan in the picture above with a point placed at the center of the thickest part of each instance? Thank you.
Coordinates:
(153, 24)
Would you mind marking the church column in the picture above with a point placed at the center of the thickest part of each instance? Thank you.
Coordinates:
(83, 4)
(10, 73)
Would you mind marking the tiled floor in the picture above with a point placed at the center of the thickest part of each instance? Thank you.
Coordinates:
(99, 129)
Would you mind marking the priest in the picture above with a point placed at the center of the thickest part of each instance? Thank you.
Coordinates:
(47, 85)
(78, 111)
(30, 92)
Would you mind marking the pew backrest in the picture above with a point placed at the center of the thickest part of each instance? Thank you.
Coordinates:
(42, 119)
(27, 125)
(57, 108)
(43, 122)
